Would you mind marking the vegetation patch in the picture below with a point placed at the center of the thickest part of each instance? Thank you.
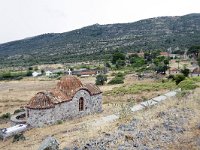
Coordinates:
(101, 79)
(116, 80)
(5, 116)
(187, 84)
(139, 88)
(18, 137)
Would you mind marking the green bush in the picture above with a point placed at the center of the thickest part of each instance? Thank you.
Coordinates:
(196, 79)
(59, 122)
(178, 78)
(6, 116)
(187, 85)
(101, 79)
(120, 75)
(18, 137)
(116, 80)
(185, 72)
(6, 75)
(171, 76)
(141, 87)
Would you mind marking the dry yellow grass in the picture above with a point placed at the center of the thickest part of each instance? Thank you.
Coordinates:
(14, 94)
(79, 130)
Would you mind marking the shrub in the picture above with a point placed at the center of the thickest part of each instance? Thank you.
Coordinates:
(59, 122)
(120, 75)
(6, 116)
(101, 79)
(178, 78)
(196, 79)
(18, 137)
(19, 78)
(117, 56)
(187, 85)
(116, 80)
(6, 75)
(29, 73)
(185, 72)
(18, 111)
(120, 63)
(171, 76)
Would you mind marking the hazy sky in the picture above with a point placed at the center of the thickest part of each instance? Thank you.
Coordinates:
(26, 18)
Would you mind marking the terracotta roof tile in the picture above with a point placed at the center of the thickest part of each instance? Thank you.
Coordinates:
(68, 85)
(93, 89)
(64, 91)
(41, 100)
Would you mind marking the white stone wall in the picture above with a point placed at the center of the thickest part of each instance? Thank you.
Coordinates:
(65, 110)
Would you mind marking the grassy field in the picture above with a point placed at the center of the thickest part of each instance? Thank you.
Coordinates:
(142, 87)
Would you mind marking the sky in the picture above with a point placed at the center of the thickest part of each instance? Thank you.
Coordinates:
(26, 18)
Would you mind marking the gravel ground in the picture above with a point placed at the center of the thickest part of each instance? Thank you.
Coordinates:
(169, 129)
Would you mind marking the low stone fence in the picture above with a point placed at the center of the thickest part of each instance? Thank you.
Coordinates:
(19, 118)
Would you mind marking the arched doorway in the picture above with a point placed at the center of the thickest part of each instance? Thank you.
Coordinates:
(81, 104)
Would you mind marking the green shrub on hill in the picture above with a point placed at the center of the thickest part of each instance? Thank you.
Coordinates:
(187, 84)
(101, 79)
(5, 116)
(116, 80)
(178, 78)
(141, 87)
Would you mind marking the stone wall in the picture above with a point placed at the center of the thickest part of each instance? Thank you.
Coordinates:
(65, 110)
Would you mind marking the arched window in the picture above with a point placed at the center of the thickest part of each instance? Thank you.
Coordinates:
(27, 113)
(81, 104)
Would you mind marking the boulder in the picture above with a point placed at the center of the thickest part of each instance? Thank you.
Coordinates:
(50, 143)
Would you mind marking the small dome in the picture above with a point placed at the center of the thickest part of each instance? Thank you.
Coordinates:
(69, 85)
(41, 100)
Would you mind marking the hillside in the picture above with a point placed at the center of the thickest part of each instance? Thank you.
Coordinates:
(99, 41)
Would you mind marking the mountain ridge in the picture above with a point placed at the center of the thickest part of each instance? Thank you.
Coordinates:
(99, 41)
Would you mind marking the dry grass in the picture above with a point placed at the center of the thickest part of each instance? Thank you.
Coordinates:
(79, 130)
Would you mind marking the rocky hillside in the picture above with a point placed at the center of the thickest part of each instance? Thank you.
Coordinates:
(173, 125)
(99, 41)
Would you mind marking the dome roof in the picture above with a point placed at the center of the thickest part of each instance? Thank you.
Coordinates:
(41, 100)
(69, 85)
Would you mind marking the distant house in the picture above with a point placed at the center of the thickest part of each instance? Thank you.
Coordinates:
(165, 54)
(141, 54)
(88, 73)
(48, 73)
(174, 71)
(58, 71)
(196, 72)
(36, 74)
(173, 56)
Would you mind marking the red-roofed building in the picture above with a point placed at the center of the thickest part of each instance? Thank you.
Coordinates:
(165, 54)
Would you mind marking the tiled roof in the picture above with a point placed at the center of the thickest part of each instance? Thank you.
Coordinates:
(164, 53)
(88, 73)
(68, 85)
(93, 89)
(196, 70)
(41, 100)
(64, 91)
